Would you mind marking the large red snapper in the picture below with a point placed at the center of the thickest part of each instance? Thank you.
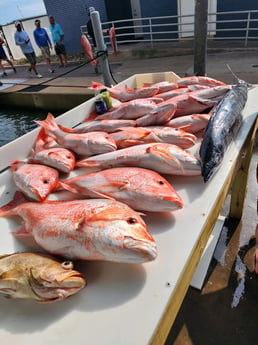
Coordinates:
(201, 80)
(86, 144)
(161, 157)
(176, 92)
(108, 126)
(112, 38)
(39, 277)
(129, 136)
(159, 116)
(34, 180)
(163, 86)
(129, 110)
(127, 94)
(197, 101)
(55, 157)
(94, 229)
(141, 189)
(173, 93)
(190, 123)
(87, 49)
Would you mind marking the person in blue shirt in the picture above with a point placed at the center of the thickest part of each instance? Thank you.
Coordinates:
(58, 37)
(22, 39)
(43, 42)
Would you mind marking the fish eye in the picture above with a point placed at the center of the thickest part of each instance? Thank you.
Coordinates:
(161, 182)
(46, 181)
(69, 157)
(67, 265)
(131, 221)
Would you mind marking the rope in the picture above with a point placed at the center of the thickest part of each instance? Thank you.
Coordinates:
(97, 56)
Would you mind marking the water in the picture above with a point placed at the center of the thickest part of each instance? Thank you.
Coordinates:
(16, 122)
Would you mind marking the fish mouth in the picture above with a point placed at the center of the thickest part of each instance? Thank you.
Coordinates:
(141, 251)
(46, 291)
(175, 202)
(70, 281)
(77, 279)
(107, 148)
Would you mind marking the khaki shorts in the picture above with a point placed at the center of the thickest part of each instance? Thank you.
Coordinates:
(45, 52)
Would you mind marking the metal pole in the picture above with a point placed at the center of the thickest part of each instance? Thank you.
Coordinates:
(200, 34)
(97, 29)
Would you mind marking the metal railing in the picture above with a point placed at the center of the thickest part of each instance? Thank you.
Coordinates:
(235, 25)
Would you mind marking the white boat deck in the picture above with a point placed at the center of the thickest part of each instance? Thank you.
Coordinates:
(123, 304)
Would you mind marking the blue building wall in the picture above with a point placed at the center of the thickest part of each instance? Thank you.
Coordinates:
(236, 5)
(151, 8)
(71, 15)
(154, 8)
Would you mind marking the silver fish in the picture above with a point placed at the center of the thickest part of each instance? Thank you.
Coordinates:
(221, 129)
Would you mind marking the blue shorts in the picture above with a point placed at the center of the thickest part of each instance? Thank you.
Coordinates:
(2, 53)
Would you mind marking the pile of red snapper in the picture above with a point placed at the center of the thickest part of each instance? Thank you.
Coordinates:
(128, 148)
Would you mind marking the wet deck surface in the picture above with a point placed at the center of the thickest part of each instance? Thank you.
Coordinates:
(225, 311)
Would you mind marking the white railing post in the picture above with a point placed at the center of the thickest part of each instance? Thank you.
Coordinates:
(247, 28)
(153, 32)
(151, 36)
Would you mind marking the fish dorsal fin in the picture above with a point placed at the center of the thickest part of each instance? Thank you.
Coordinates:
(92, 193)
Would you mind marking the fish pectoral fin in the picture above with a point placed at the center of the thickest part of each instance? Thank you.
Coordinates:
(132, 142)
(22, 232)
(155, 137)
(184, 127)
(64, 186)
(10, 275)
(155, 149)
(121, 185)
(100, 195)
(205, 101)
(8, 292)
